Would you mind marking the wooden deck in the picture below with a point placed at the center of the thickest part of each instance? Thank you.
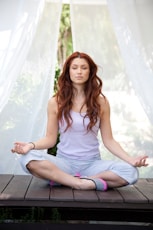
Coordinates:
(130, 203)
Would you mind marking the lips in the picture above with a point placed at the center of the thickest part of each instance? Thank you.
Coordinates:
(78, 77)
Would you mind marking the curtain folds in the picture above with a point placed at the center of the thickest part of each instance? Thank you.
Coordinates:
(16, 34)
(28, 48)
(132, 22)
(118, 36)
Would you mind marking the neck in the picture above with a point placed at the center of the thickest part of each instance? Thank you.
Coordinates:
(78, 99)
(78, 92)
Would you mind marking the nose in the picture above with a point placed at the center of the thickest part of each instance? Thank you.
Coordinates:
(79, 70)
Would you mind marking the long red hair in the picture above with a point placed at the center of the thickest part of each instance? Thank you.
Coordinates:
(92, 89)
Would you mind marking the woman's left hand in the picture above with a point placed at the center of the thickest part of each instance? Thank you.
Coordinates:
(139, 161)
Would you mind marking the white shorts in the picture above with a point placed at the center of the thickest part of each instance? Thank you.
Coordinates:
(83, 168)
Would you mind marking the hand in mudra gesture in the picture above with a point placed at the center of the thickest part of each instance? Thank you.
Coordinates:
(22, 147)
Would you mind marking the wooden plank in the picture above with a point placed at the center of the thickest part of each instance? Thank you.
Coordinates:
(61, 193)
(146, 188)
(39, 189)
(85, 196)
(111, 195)
(29, 191)
(150, 180)
(17, 188)
(79, 225)
(131, 195)
(4, 180)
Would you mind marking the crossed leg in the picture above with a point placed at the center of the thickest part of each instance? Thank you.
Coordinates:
(47, 170)
(112, 179)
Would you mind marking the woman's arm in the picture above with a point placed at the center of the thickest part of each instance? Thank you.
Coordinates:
(49, 140)
(110, 143)
(52, 127)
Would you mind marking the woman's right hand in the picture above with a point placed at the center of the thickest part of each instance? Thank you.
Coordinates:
(22, 147)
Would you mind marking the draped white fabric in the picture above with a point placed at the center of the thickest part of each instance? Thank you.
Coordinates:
(28, 46)
(118, 35)
(133, 22)
(17, 28)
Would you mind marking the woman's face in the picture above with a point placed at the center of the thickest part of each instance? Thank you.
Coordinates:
(79, 71)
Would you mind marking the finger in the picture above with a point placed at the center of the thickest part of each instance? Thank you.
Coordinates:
(12, 150)
(18, 143)
(18, 149)
(144, 161)
(145, 157)
(141, 163)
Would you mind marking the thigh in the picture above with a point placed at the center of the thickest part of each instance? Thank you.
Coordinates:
(24, 159)
(96, 167)
(120, 168)
(40, 155)
(61, 163)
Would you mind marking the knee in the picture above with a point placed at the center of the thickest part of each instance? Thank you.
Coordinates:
(134, 175)
(35, 166)
(31, 166)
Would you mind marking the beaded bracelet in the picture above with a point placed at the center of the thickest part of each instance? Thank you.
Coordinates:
(32, 144)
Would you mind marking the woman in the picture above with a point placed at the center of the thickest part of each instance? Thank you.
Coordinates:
(78, 111)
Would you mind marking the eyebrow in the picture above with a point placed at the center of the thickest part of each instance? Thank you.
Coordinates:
(81, 65)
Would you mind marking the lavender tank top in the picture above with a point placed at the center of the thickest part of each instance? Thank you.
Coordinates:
(76, 142)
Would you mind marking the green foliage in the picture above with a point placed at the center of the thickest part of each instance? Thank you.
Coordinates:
(57, 73)
(56, 215)
(53, 150)
(5, 214)
(65, 47)
(29, 215)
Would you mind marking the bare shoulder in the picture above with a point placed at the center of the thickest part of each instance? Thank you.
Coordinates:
(52, 105)
(104, 103)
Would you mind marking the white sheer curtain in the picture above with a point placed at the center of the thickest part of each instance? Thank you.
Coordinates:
(87, 28)
(28, 46)
(122, 48)
(133, 24)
